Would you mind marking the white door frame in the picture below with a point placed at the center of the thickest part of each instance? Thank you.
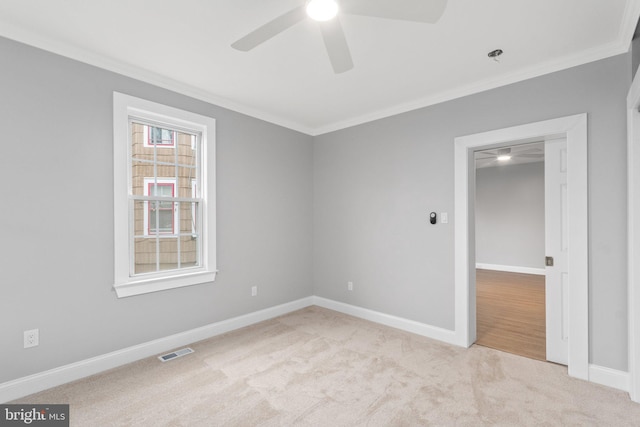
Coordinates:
(574, 128)
(633, 218)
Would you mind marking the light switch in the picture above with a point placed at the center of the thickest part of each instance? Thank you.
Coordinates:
(444, 218)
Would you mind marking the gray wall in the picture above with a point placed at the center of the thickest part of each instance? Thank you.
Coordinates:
(56, 257)
(510, 215)
(375, 184)
(296, 215)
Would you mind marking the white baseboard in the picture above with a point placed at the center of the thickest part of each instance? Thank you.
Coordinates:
(21, 387)
(609, 377)
(511, 269)
(25, 386)
(597, 374)
(412, 326)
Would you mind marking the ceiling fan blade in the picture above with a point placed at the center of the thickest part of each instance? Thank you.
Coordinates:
(485, 163)
(427, 11)
(336, 44)
(531, 156)
(270, 29)
(530, 151)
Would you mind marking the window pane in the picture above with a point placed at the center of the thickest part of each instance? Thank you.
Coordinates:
(140, 210)
(188, 217)
(163, 172)
(187, 182)
(168, 254)
(138, 172)
(140, 149)
(160, 189)
(145, 255)
(160, 217)
(188, 162)
(187, 149)
(189, 250)
(159, 136)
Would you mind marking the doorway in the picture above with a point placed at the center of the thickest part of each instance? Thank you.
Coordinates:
(574, 129)
(510, 249)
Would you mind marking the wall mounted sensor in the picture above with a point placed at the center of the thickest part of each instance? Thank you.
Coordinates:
(432, 217)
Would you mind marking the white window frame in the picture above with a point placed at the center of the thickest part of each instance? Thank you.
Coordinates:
(194, 211)
(125, 108)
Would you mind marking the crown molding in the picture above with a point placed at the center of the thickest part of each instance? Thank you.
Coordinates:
(612, 49)
(20, 35)
(619, 46)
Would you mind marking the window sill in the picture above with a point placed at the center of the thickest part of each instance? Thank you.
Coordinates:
(156, 284)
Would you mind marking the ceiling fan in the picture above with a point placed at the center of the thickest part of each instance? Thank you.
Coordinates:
(325, 13)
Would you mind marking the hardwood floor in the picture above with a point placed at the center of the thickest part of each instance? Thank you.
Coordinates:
(511, 312)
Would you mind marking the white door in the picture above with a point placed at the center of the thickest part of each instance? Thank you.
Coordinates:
(556, 237)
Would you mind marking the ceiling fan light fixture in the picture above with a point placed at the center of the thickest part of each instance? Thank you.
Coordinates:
(322, 10)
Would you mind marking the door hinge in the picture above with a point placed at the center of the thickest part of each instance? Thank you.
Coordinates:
(548, 261)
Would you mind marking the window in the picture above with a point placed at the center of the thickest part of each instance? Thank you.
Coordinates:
(164, 197)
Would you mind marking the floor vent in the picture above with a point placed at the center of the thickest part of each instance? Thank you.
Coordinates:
(175, 354)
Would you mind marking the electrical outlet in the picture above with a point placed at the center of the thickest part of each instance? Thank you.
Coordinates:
(349, 286)
(254, 291)
(31, 338)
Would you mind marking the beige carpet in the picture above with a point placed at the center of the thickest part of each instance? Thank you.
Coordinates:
(316, 367)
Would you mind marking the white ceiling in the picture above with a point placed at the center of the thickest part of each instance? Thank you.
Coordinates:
(399, 66)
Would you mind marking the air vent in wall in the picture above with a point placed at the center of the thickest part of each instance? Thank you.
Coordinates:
(175, 354)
